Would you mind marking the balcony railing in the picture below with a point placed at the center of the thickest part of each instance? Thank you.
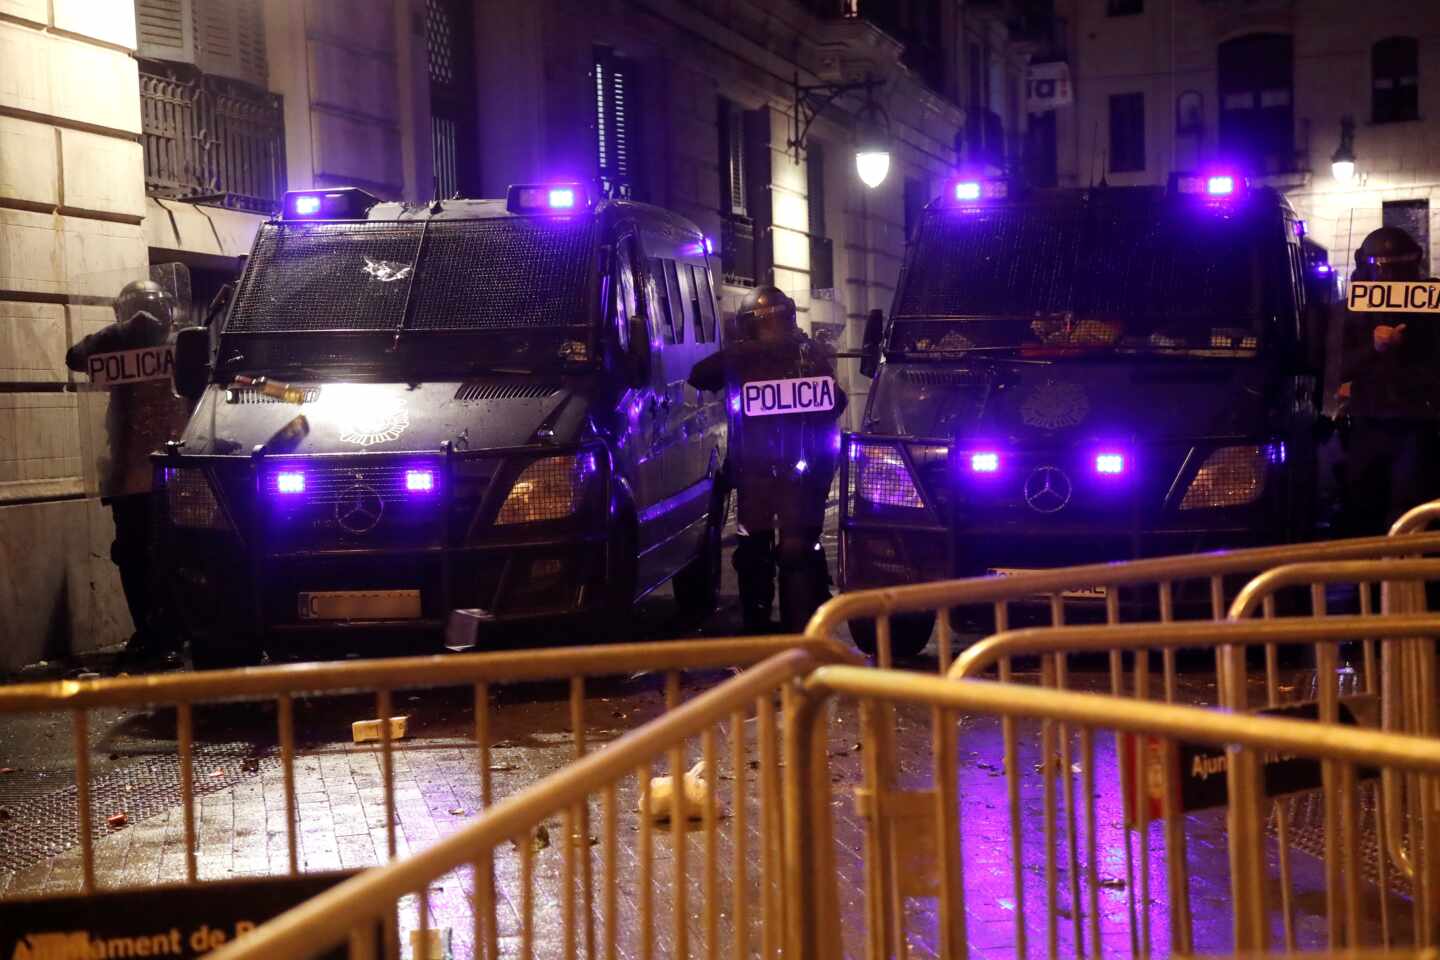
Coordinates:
(737, 251)
(212, 139)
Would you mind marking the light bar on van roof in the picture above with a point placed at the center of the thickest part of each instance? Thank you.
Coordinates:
(976, 190)
(342, 203)
(1219, 185)
(547, 198)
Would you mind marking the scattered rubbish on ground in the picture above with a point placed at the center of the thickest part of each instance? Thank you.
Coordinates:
(117, 821)
(364, 731)
(457, 811)
(690, 797)
(250, 764)
(1112, 883)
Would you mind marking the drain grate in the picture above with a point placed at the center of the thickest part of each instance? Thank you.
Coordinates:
(43, 820)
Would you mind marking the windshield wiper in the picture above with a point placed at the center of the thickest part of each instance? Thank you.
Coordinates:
(410, 287)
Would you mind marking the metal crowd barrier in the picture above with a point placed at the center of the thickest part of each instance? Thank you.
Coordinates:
(685, 910)
(283, 685)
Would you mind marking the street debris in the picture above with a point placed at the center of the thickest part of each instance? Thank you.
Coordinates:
(1112, 883)
(457, 811)
(364, 731)
(540, 839)
(117, 821)
(435, 945)
(7, 769)
(691, 796)
(250, 765)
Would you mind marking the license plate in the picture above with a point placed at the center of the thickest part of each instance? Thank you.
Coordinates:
(1079, 593)
(359, 605)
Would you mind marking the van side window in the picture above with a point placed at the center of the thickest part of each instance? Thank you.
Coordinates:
(679, 302)
(692, 302)
(625, 303)
(700, 278)
(663, 318)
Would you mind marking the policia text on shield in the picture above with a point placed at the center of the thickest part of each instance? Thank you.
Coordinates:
(1380, 297)
(782, 455)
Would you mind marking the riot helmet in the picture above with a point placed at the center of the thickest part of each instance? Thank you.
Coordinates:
(765, 313)
(1389, 254)
(145, 297)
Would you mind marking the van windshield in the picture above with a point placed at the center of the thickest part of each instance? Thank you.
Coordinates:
(1053, 280)
(509, 280)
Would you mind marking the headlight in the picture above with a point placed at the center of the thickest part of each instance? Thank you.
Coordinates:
(190, 501)
(1229, 477)
(880, 476)
(548, 489)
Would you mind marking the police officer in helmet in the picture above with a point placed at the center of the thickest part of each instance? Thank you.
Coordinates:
(782, 456)
(1390, 363)
(140, 418)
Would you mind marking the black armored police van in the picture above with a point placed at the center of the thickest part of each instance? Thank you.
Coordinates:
(476, 404)
(1082, 375)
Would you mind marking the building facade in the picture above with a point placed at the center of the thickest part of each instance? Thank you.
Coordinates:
(1270, 87)
(165, 132)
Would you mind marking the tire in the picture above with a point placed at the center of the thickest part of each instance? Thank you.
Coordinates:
(909, 634)
(223, 650)
(697, 586)
(617, 613)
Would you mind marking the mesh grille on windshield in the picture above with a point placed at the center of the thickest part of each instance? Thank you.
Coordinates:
(501, 273)
(1028, 261)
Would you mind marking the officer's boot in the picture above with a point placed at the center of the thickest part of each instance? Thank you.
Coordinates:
(754, 562)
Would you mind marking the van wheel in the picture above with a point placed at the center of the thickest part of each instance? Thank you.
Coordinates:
(909, 634)
(223, 649)
(621, 577)
(697, 586)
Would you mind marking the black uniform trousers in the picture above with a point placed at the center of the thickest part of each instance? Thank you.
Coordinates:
(1392, 465)
(131, 552)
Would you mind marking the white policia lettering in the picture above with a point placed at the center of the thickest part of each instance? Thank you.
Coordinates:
(765, 398)
(1422, 296)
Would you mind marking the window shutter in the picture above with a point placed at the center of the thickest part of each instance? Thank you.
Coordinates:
(230, 39)
(614, 130)
(165, 30)
(736, 143)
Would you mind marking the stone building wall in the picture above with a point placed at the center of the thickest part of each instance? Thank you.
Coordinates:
(71, 204)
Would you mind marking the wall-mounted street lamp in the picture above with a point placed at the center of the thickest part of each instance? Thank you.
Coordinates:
(872, 149)
(1342, 161)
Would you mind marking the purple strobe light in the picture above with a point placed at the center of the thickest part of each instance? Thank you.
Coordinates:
(419, 481)
(985, 462)
(290, 481)
(307, 205)
(1111, 464)
(1221, 186)
(967, 190)
(562, 198)
(709, 246)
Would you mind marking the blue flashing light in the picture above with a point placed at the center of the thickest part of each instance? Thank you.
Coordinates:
(344, 203)
(967, 190)
(801, 466)
(290, 481)
(986, 461)
(546, 198)
(973, 191)
(419, 481)
(1110, 464)
(709, 246)
(1221, 186)
(1322, 268)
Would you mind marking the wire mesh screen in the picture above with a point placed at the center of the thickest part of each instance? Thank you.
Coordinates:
(1123, 264)
(502, 273)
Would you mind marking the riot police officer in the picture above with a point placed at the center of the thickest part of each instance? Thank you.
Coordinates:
(140, 418)
(783, 450)
(1389, 363)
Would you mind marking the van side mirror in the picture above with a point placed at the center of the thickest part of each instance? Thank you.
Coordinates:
(870, 351)
(192, 362)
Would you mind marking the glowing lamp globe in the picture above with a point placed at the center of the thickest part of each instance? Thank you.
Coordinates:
(873, 166)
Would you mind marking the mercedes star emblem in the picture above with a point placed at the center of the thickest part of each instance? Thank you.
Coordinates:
(1047, 490)
(359, 509)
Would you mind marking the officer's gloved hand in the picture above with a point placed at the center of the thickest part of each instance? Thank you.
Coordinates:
(1387, 336)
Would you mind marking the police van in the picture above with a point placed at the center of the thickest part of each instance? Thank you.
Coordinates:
(479, 404)
(1084, 375)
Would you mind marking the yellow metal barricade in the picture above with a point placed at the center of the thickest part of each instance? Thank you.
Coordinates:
(280, 688)
(719, 899)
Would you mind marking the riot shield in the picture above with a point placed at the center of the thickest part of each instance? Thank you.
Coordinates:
(126, 405)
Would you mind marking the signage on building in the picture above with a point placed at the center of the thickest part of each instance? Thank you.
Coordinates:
(164, 921)
(125, 367)
(1198, 774)
(1371, 296)
(1047, 86)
